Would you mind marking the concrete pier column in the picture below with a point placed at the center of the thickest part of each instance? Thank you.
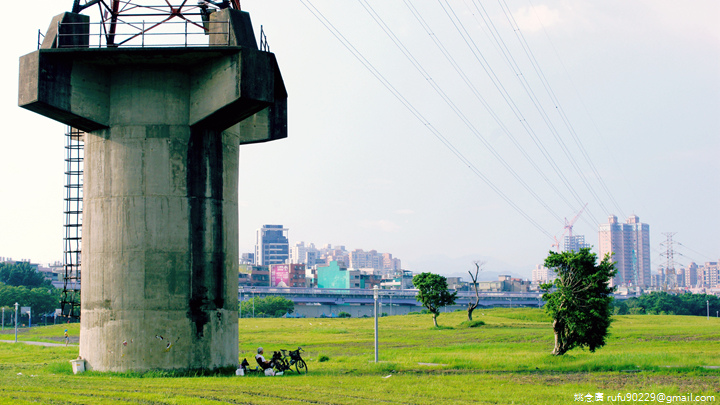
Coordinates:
(160, 228)
(160, 248)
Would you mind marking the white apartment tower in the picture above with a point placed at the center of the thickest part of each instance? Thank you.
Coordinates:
(304, 254)
(542, 274)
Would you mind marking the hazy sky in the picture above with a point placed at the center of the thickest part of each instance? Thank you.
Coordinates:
(452, 148)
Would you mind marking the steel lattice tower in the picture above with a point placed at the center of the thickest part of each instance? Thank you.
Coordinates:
(670, 275)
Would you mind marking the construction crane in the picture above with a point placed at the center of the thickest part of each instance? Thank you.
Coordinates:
(567, 228)
(569, 225)
(556, 245)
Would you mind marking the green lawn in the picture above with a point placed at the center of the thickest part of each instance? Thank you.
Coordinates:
(507, 360)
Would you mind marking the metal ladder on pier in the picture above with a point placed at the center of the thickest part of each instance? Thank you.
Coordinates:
(74, 156)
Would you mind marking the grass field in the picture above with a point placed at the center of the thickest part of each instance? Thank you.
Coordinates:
(507, 360)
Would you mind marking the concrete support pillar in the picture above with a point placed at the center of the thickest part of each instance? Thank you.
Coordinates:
(160, 228)
(160, 249)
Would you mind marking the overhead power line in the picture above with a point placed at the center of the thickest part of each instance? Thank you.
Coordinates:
(452, 105)
(694, 251)
(448, 56)
(478, 54)
(548, 89)
(467, 37)
(369, 66)
(584, 106)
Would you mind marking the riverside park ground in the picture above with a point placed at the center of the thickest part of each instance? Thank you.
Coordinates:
(507, 360)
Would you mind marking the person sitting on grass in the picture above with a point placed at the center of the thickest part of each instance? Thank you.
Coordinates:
(265, 364)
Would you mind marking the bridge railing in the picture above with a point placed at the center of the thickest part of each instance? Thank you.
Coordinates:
(139, 34)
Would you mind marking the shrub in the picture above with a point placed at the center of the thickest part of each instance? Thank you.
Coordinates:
(343, 315)
(636, 311)
(323, 358)
(472, 324)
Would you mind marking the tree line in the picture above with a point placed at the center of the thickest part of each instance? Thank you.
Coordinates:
(268, 307)
(21, 283)
(662, 303)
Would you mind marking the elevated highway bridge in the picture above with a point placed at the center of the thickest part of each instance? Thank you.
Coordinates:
(314, 302)
(358, 296)
(358, 302)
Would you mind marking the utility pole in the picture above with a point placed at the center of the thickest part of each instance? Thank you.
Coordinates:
(375, 296)
(242, 289)
(16, 309)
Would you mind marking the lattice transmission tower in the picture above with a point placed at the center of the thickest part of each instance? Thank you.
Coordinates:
(670, 274)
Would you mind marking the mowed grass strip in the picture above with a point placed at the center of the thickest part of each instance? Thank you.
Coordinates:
(507, 360)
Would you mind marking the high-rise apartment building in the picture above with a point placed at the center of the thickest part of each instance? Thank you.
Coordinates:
(271, 245)
(390, 263)
(710, 274)
(629, 243)
(691, 275)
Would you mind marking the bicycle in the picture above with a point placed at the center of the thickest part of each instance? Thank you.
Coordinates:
(285, 361)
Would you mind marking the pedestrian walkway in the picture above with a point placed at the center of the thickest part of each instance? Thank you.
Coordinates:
(36, 343)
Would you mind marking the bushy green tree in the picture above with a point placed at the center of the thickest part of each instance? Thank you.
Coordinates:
(272, 306)
(42, 300)
(21, 283)
(579, 301)
(17, 274)
(433, 293)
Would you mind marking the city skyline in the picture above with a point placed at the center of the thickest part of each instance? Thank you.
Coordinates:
(638, 83)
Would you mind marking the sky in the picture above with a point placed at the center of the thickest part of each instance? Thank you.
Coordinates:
(445, 132)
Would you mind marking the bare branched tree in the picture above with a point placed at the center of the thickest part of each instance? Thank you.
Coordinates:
(471, 305)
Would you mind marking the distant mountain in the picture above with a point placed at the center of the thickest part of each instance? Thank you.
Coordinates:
(459, 266)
